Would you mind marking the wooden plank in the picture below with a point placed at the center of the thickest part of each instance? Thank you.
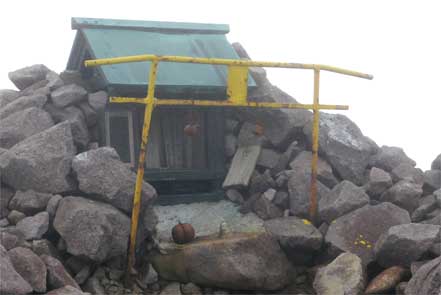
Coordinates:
(242, 166)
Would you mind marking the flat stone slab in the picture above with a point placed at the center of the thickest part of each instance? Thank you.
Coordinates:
(206, 218)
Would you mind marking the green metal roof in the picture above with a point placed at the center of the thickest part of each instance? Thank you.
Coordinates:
(104, 38)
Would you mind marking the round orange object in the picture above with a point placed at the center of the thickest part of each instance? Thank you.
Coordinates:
(191, 129)
(183, 233)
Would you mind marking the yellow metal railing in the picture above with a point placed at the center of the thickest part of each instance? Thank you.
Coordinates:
(237, 97)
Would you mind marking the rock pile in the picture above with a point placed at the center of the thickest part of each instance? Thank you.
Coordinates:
(65, 203)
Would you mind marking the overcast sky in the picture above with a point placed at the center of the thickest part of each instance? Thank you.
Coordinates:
(396, 41)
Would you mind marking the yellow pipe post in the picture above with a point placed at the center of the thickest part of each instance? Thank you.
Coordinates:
(315, 143)
(140, 173)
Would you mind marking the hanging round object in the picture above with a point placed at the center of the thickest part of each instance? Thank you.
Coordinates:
(183, 233)
(191, 129)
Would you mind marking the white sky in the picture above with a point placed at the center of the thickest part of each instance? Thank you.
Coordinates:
(396, 41)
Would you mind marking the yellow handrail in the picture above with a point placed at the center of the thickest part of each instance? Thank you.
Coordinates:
(237, 97)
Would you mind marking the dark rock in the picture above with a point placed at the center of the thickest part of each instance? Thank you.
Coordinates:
(52, 205)
(67, 290)
(41, 162)
(404, 194)
(268, 158)
(8, 240)
(250, 261)
(404, 243)
(33, 228)
(11, 282)
(414, 266)
(345, 147)
(54, 80)
(27, 76)
(281, 178)
(29, 202)
(101, 173)
(387, 280)
(77, 120)
(281, 199)
(324, 170)
(83, 274)
(421, 212)
(6, 195)
(344, 275)
(171, 289)
(299, 187)
(98, 100)
(436, 249)
(45, 247)
(390, 157)
(8, 96)
(291, 152)
(92, 229)
(89, 113)
(427, 280)
(190, 289)
(323, 228)
(30, 267)
(57, 275)
(230, 145)
(22, 103)
(68, 95)
(234, 196)
(436, 220)
(342, 199)
(437, 195)
(248, 205)
(358, 231)
(73, 77)
(260, 183)
(436, 164)
(39, 87)
(15, 216)
(379, 181)
(22, 125)
(4, 222)
(432, 181)
(75, 264)
(405, 171)
(264, 208)
(93, 285)
(297, 237)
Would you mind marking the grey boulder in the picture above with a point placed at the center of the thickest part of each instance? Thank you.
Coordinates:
(379, 181)
(23, 124)
(34, 227)
(6, 195)
(358, 231)
(98, 100)
(343, 198)
(404, 194)
(57, 275)
(343, 276)
(22, 103)
(11, 282)
(405, 243)
(298, 237)
(41, 162)
(29, 202)
(27, 76)
(405, 171)
(30, 267)
(68, 95)
(344, 145)
(427, 280)
(436, 164)
(7, 96)
(77, 119)
(101, 174)
(432, 181)
(92, 229)
(390, 157)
